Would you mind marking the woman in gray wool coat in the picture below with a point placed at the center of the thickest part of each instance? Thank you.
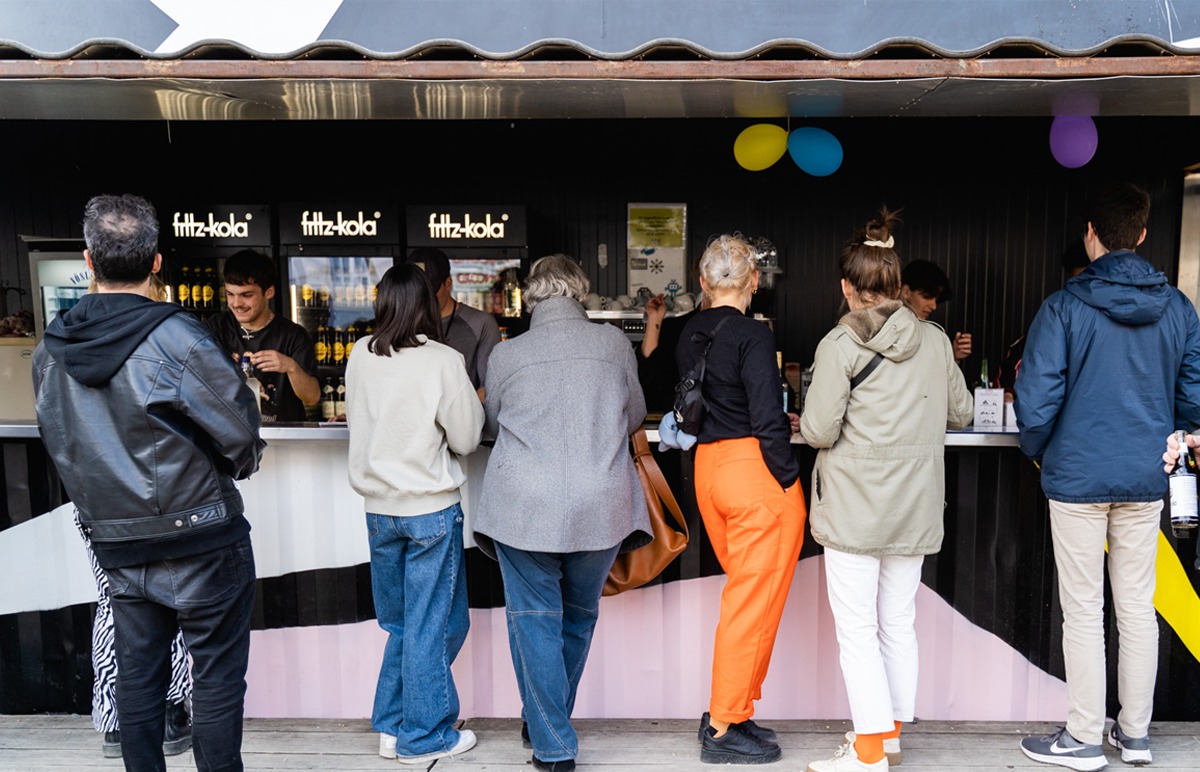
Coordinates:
(561, 496)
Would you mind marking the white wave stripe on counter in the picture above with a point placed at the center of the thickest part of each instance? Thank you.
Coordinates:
(651, 658)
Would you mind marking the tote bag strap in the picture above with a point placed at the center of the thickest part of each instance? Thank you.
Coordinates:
(643, 456)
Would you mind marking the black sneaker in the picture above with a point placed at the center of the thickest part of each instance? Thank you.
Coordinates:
(761, 732)
(737, 746)
(112, 744)
(177, 735)
(566, 765)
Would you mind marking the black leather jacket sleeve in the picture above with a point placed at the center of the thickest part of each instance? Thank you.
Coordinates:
(215, 397)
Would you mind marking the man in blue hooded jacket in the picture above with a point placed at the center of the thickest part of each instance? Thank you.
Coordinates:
(1115, 353)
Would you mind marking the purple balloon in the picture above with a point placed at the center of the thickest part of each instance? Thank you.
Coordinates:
(1073, 140)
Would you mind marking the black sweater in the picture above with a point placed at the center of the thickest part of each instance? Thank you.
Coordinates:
(742, 390)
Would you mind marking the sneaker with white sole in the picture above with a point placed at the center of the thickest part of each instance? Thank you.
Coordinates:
(846, 760)
(1064, 750)
(466, 741)
(387, 745)
(1134, 750)
(891, 747)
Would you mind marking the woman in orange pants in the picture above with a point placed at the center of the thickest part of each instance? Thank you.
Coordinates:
(748, 494)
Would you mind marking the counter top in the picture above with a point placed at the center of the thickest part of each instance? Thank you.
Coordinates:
(971, 438)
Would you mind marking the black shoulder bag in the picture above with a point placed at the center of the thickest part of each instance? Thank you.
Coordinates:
(689, 402)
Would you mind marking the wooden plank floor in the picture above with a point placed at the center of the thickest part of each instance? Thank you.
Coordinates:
(35, 743)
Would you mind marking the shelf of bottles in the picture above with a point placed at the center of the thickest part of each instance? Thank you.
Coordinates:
(196, 285)
(334, 299)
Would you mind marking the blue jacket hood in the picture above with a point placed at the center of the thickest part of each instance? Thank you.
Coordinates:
(1123, 287)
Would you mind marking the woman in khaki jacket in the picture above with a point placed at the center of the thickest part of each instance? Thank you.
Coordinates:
(885, 389)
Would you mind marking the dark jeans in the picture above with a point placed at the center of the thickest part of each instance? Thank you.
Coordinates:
(553, 602)
(209, 597)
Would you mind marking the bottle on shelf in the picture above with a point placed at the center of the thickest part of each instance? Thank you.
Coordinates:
(1182, 492)
(351, 339)
(360, 293)
(307, 295)
(323, 295)
(197, 288)
(209, 297)
(338, 337)
(512, 294)
(184, 292)
(251, 380)
(321, 346)
(328, 406)
(339, 397)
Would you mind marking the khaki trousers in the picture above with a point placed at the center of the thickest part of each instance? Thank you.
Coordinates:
(1131, 530)
(756, 530)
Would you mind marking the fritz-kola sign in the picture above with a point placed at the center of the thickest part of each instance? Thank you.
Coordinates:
(466, 226)
(338, 224)
(221, 225)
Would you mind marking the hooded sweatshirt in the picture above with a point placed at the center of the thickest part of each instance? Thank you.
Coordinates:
(879, 480)
(1111, 367)
(148, 422)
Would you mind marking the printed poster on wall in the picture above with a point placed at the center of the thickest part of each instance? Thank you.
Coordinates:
(657, 248)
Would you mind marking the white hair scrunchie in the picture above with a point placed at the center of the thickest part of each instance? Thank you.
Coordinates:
(891, 241)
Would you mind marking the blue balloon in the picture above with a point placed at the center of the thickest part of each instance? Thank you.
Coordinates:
(815, 151)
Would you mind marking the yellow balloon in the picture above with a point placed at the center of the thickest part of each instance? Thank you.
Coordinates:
(760, 146)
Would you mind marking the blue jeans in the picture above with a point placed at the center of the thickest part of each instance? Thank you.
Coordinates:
(418, 574)
(210, 598)
(553, 602)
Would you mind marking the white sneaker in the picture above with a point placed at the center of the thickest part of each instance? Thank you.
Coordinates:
(891, 747)
(846, 760)
(387, 745)
(466, 741)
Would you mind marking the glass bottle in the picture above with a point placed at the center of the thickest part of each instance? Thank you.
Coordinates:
(1184, 516)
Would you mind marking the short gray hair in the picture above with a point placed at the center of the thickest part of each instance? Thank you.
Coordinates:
(555, 276)
(121, 233)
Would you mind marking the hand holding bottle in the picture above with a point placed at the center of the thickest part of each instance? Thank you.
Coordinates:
(1171, 455)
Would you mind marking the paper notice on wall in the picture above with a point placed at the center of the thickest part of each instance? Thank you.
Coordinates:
(657, 248)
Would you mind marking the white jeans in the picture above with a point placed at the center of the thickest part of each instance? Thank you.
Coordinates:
(1079, 532)
(874, 602)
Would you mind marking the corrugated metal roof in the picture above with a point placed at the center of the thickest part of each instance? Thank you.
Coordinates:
(598, 29)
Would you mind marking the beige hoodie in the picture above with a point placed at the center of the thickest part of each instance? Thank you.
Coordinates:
(879, 482)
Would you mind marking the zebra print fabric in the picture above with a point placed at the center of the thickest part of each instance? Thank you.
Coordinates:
(104, 657)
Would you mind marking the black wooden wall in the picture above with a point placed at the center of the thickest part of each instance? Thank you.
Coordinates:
(982, 197)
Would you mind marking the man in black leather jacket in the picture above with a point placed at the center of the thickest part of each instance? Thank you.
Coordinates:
(149, 423)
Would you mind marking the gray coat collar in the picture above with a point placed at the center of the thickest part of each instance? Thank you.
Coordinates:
(557, 309)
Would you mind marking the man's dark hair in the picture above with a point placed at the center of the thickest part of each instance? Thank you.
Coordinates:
(121, 233)
(405, 307)
(928, 279)
(435, 263)
(1118, 213)
(250, 267)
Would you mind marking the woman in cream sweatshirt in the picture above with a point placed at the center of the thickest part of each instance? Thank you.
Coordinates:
(412, 412)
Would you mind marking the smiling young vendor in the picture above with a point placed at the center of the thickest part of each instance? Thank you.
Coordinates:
(281, 351)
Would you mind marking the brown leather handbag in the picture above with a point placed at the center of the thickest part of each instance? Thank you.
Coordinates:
(636, 567)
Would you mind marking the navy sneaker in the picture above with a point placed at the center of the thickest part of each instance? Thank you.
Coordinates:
(1134, 750)
(1064, 750)
(761, 732)
(737, 746)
